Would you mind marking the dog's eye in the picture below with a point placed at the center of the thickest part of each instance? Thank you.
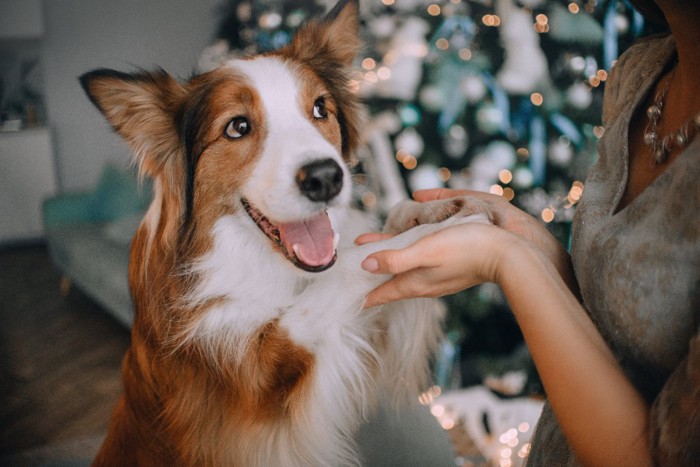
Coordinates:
(320, 108)
(237, 128)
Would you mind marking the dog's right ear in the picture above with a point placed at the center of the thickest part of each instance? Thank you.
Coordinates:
(141, 107)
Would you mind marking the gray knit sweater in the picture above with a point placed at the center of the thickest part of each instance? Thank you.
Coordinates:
(639, 272)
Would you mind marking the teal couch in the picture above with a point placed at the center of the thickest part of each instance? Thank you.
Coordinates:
(88, 235)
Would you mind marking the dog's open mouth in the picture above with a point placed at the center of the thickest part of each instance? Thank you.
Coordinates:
(309, 244)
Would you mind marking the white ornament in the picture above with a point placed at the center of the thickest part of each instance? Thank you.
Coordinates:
(473, 88)
(489, 118)
(405, 60)
(579, 95)
(560, 152)
(488, 163)
(456, 141)
(410, 141)
(622, 24)
(502, 154)
(424, 177)
(525, 68)
(432, 98)
(383, 26)
(522, 178)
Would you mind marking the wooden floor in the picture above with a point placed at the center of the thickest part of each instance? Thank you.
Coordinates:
(59, 358)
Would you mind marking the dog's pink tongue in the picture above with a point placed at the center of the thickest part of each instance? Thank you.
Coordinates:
(310, 240)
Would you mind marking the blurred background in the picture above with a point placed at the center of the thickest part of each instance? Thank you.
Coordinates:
(502, 96)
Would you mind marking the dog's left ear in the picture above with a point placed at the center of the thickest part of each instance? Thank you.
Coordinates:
(334, 38)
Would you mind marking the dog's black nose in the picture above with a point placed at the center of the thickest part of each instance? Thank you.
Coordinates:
(320, 180)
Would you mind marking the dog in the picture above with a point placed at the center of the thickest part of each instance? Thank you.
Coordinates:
(250, 345)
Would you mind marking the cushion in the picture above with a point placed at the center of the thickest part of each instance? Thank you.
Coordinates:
(118, 194)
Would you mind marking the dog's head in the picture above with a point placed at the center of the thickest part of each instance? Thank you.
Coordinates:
(265, 138)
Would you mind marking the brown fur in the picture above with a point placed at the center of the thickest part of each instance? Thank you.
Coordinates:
(184, 404)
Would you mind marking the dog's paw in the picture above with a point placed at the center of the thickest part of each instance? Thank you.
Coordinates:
(408, 214)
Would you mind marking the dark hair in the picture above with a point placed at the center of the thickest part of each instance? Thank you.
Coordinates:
(651, 11)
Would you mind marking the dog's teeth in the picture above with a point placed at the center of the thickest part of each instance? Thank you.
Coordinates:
(295, 249)
(336, 240)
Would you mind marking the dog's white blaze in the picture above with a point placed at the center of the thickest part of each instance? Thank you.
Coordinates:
(241, 254)
(292, 141)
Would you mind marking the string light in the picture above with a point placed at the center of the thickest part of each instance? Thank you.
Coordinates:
(547, 215)
(465, 54)
(369, 64)
(444, 174)
(369, 199)
(505, 176)
(536, 98)
(491, 20)
(541, 23)
(371, 77)
(508, 193)
(384, 73)
(574, 8)
(434, 9)
(442, 44)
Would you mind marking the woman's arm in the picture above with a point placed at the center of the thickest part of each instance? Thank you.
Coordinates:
(602, 415)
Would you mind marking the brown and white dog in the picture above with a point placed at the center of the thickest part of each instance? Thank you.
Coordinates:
(250, 346)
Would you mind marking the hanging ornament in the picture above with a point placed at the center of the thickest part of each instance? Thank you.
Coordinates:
(270, 20)
(525, 68)
(580, 28)
(488, 163)
(404, 59)
(502, 154)
(577, 64)
(473, 88)
(410, 141)
(295, 19)
(579, 96)
(432, 98)
(560, 152)
(622, 23)
(522, 178)
(489, 118)
(456, 142)
(409, 114)
(425, 177)
(383, 26)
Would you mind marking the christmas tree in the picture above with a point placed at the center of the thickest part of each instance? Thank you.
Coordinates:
(502, 96)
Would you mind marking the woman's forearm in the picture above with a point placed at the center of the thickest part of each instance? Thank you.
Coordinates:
(601, 413)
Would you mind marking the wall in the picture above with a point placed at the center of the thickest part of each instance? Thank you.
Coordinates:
(81, 35)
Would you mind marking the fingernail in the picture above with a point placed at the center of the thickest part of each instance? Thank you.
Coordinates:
(370, 265)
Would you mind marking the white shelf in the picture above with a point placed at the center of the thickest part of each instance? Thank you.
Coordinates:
(27, 177)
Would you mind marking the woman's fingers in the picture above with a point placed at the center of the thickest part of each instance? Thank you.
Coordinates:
(372, 237)
(392, 261)
(437, 193)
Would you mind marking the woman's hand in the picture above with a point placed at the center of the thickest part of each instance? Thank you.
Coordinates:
(514, 220)
(442, 263)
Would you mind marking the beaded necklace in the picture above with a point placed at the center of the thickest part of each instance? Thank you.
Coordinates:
(662, 147)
